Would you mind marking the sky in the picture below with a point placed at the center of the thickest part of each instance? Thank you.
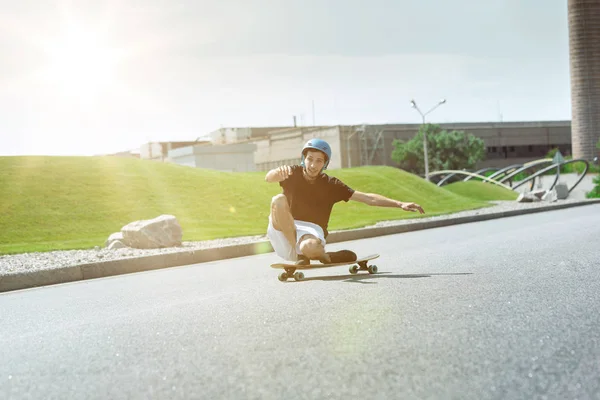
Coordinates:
(84, 77)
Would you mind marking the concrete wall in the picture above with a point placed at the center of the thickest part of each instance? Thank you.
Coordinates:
(229, 135)
(352, 147)
(159, 151)
(285, 147)
(232, 135)
(151, 151)
(544, 135)
(230, 157)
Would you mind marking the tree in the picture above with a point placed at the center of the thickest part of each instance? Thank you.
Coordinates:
(446, 150)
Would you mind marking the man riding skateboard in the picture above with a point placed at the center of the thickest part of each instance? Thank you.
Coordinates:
(299, 217)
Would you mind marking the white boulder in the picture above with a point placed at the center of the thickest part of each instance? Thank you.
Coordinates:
(162, 231)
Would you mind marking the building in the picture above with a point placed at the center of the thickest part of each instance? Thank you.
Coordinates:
(357, 145)
(159, 151)
(232, 135)
(234, 157)
(250, 149)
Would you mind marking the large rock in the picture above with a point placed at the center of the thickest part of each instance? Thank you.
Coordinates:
(162, 231)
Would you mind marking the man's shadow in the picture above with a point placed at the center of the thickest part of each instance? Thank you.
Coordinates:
(365, 278)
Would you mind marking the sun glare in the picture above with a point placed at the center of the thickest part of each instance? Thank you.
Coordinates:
(81, 62)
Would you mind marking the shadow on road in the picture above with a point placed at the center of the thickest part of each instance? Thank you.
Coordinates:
(359, 278)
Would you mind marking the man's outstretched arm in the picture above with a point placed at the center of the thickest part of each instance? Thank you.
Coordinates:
(278, 174)
(378, 200)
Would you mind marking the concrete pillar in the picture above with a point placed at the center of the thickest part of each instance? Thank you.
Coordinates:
(584, 54)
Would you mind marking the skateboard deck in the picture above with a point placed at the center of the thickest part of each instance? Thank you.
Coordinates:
(357, 265)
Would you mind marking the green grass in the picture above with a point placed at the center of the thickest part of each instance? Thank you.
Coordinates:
(59, 203)
(481, 191)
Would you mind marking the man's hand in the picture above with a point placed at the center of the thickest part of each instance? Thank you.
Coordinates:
(278, 174)
(412, 207)
(284, 172)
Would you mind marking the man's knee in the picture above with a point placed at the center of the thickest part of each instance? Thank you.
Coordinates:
(311, 247)
(279, 202)
(281, 217)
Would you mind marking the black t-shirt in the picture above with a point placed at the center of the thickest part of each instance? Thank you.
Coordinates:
(313, 202)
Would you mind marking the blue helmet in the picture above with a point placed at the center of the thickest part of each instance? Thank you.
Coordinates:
(320, 145)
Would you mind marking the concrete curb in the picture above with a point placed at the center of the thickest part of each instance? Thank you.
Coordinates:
(160, 261)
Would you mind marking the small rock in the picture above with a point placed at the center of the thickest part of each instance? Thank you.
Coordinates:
(113, 237)
(550, 196)
(527, 198)
(539, 193)
(562, 191)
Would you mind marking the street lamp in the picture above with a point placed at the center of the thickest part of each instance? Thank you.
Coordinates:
(413, 104)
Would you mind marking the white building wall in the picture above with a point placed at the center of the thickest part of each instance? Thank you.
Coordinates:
(151, 151)
(230, 157)
(229, 135)
(189, 160)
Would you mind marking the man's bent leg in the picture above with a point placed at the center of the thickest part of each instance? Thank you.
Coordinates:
(313, 248)
(281, 217)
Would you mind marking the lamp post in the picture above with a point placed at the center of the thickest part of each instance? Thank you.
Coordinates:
(413, 104)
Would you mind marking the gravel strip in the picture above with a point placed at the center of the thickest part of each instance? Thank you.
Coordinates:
(31, 262)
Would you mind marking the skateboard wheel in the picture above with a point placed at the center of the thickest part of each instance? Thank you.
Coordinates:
(283, 276)
(353, 269)
(372, 269)
(298, 276)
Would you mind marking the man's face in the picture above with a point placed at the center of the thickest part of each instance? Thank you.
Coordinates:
(314, 163)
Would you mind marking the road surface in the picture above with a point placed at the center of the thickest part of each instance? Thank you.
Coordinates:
(502, 309)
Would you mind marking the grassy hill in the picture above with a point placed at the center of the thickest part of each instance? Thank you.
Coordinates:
(52, 203)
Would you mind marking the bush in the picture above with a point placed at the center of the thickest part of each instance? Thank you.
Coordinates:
(551, 153)
(595, 193)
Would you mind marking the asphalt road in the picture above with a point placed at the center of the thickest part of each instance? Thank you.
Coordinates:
(502, 309)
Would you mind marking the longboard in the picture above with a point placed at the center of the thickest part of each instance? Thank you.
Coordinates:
(358, 265)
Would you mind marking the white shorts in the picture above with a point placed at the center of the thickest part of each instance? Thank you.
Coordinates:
(282, 246)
